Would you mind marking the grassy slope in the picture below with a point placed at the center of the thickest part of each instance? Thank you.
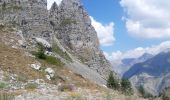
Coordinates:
(15, 61)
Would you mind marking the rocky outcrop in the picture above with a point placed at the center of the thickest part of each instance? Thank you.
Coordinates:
(73, 29)
(67, 24)
(31, 16)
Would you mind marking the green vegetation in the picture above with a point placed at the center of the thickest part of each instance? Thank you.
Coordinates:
(67, 22)
(49, 59)
(6, 96)
(54, 61)
(3, 85)
(126, 86)
(40, 54)
(144, 93)
(112, 82)
(31, 86)
(57, 50)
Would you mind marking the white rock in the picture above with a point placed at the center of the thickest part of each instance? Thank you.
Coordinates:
(44, 42)
(48, 77)
(50, 72)
(36, 66)
(48, 53)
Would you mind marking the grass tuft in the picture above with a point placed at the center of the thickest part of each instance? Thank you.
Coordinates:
(31, 86)
(3, 85)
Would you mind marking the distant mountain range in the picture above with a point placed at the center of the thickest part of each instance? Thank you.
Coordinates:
(127, 63)
(153, 72)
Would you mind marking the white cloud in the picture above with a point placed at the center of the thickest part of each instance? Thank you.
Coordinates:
(117, 56)
(50, 2)
(104, 32)
(147, 18)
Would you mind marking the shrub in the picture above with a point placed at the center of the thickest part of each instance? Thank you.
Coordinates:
(126, 86)
(112, 82)
(40, 54)
(54, 61)
(49, 59)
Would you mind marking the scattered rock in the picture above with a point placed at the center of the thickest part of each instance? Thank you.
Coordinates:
(44, 42)
(48, 53)
(50, 73)
(36, 66)
(48, 77)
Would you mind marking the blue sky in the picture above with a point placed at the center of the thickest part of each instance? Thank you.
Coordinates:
(130, 28)
(106, 11)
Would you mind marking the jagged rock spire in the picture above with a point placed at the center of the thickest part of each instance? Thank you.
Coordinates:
(54, 7)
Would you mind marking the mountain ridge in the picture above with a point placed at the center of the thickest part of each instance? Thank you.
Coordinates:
(152, 74)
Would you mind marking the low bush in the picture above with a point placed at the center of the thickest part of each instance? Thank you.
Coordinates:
(54, 61)
(49, 59)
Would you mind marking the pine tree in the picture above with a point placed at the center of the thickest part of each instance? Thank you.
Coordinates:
(112, 82)
(126, 86)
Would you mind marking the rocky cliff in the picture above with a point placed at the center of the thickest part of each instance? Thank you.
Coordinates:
(73, 29)
(67, 25)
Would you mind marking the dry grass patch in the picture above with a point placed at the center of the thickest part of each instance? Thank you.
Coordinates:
(15, 61)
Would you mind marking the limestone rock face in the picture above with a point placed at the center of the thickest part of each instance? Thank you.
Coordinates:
(69, 23)
(31, 16)
(73, 29)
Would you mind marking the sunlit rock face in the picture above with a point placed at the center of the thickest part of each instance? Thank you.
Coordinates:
(68, 22)
(31, 16)
(74, 30)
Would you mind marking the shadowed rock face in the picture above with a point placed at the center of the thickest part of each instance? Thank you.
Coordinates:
(69, 22)
(74, 30)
